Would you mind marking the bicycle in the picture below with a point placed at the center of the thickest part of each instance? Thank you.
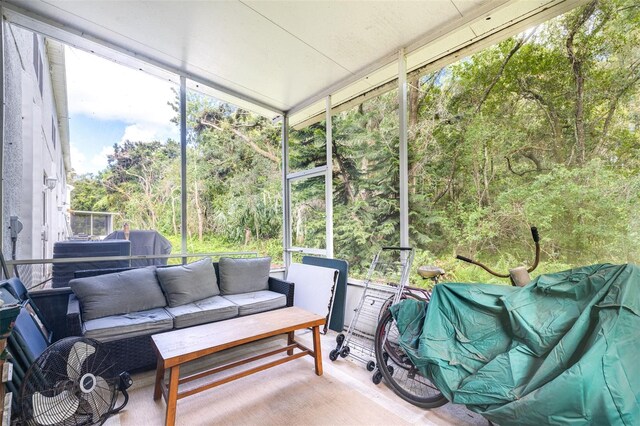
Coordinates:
(426, 272)
(395, 366)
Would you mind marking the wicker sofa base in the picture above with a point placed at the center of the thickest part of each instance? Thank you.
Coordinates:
(131, 354)
(136, 353)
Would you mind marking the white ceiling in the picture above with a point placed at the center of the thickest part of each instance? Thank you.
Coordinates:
(279, 55)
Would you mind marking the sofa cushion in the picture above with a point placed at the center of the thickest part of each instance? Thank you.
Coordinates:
(211, 309)
(118, 327)
(257, 301)
(119, 293)
(188, 283)
(244, 275)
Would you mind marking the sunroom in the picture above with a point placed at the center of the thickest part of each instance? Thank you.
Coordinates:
(320, 129)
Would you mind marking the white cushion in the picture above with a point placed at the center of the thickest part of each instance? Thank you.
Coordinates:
(244, 275)
(257, 301)
(118, 293)
(211, 309)
(118, 327)
(187, 283)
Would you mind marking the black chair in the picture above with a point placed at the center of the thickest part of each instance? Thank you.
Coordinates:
(7, 294)
(27, 341)
(18, 291)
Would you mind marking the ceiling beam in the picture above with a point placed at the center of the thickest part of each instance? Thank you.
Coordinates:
(441, 62)
(392, 57)
(83, 40)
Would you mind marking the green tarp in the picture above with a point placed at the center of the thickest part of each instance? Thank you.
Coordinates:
(562, 350)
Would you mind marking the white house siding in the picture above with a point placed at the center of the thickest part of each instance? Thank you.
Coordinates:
(32, 151)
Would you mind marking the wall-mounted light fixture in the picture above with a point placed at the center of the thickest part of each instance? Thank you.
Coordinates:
(51, 183)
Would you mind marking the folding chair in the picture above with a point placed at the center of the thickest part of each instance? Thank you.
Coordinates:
(17, 289)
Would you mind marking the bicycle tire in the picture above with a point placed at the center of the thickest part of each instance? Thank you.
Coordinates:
(399, 373)
(389, 346)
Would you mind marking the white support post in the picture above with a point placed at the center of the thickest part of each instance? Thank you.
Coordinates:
(183, 164)
(286, 202)
(404, 150)
(328, 182)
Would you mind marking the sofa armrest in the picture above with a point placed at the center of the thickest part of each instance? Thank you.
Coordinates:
(74, 320)
(283, 287)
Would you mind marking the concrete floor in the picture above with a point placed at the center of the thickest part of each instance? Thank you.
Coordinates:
(451, 414)
(290, 394)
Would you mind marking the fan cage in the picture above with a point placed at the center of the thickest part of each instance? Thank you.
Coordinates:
(71, 383)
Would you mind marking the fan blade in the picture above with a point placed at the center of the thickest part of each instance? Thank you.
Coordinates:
(53, 410)
(100, 398)
(79, 352)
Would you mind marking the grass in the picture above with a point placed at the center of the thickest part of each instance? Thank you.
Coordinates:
(456, 271)
(216, 244)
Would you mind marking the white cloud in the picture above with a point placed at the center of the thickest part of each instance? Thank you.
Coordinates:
(142, 132)
(97, 162)
(138, 133)
(78, 160)
(105, 90)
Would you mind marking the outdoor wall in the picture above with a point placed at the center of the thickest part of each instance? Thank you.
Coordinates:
(12, 167)
(32, 152)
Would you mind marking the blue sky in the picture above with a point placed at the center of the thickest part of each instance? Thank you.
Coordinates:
(90, 138)
(109, 103)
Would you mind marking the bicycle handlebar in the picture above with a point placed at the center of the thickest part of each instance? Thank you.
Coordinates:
(534, 234)
(486, 268)
(536, 240)
(464, 259)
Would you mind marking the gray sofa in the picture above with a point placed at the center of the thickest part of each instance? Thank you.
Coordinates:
(123, 308)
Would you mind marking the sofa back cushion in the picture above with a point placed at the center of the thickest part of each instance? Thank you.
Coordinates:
(188, 283)
(244, 275)
(119, 293)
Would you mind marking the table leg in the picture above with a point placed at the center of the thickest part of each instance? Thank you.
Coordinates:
(290, 340)
(172, 395)
(317, 351)
(157, 391)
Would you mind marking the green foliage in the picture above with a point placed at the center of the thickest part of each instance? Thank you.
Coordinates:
(217, 244)
(515, 148)
(88, 194)
(541, 129)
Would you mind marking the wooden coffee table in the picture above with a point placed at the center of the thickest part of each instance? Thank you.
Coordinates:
(178, 347)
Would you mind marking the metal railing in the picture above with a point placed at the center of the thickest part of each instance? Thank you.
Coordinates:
(12, 265)
(131, 257)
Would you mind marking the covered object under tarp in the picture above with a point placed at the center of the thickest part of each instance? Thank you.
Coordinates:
(562, 350)
(145, 242)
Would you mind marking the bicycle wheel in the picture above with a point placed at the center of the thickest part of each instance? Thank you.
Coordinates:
(391, 343)
(398, 370)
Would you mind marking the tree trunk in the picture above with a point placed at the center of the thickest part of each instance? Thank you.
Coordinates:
(196, 199)
(414, 102)
(613, 104)
(265, 153)
(343, 173)
(579, 111)
(547, 108)
(173, 215)
(484, 198)
(496, 78)
(578, 78)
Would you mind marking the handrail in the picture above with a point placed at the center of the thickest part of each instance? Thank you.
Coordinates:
(132, 257)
